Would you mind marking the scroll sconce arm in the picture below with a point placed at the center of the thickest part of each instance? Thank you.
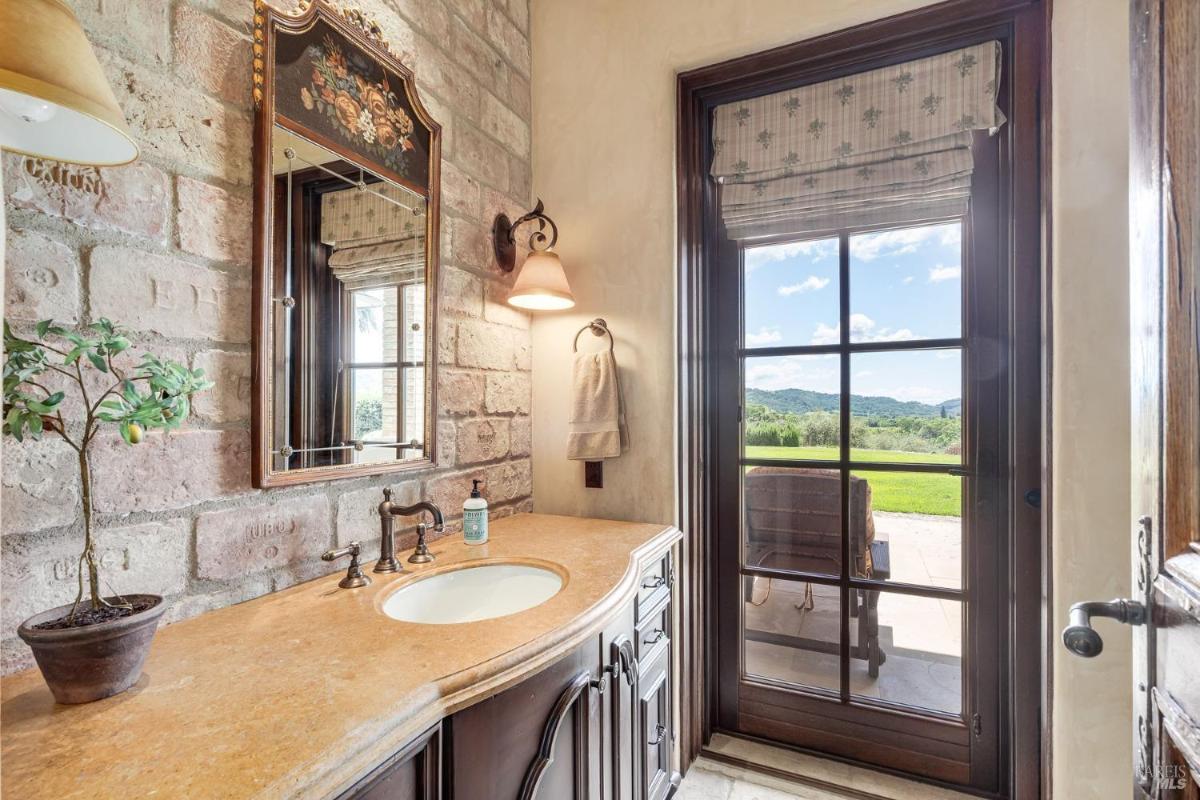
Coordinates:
(504, 235)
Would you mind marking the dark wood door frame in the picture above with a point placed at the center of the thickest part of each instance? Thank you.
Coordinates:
(1022, 25)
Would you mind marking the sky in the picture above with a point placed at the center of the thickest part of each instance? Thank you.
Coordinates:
(905, 284)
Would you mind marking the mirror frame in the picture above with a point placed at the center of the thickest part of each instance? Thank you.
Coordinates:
(366, 34)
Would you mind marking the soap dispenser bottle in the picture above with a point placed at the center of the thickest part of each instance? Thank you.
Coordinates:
(475, 517)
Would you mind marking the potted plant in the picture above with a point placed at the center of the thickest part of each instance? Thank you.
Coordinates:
(95, 646)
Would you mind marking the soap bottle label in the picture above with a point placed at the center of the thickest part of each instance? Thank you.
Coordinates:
(475, 525)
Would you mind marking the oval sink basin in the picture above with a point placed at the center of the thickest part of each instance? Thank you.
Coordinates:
(473, 593)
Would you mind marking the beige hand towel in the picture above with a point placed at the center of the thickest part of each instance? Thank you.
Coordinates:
(597, 429)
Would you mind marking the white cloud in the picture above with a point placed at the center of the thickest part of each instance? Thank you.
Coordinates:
(764, 337)
(871, 246)
(943, 273)
(862, 329)
(818, 374)
(770, 254)
(951, 235)
(866, 373)
(908, 279)
(810, 284)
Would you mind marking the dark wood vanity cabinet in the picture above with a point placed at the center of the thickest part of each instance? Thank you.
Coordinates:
(595, 725)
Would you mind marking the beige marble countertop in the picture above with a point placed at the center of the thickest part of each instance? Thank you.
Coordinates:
(298, 693)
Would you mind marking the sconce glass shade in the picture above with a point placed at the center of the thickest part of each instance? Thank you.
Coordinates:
(54, 99)
(542, 284)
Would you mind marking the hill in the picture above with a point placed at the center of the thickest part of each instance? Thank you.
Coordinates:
(801, 401)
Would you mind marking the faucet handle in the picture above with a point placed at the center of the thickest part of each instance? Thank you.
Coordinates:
(354, 575)
(421, 555)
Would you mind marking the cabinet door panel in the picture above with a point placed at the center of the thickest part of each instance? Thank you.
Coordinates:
(414, 773)
(654, 735)
(494, 743)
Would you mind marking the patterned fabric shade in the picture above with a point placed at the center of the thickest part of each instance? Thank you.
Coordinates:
(889, 145)
(375, 241)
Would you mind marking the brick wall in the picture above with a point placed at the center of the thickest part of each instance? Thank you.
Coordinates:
(163, 247)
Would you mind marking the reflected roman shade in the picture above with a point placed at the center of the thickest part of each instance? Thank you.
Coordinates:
(375, 241)
(888, 145)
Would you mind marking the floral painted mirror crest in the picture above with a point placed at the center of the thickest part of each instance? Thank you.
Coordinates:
(346, 236)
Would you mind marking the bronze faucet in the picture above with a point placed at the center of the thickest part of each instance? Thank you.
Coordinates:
(387, 544)
(355, 578)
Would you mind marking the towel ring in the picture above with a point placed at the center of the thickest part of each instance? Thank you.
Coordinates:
(598, 327)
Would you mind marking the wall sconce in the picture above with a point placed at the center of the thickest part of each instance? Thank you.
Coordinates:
(541, 284)
(54, 99)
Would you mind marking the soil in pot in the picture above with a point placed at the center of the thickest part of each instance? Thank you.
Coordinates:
(86, 615)
(82, 663)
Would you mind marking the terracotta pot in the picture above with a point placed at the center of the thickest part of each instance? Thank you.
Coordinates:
(95, 661)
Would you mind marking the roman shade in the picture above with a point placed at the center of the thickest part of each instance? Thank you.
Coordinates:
(888, 145)
(376, 237)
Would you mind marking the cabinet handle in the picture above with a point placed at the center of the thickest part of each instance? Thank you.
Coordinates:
(660, 733)
(599, 684)
(654, 582)
(655, 636)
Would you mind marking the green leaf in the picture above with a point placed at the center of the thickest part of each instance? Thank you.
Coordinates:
(125, 434)
(97, 361)
(43, 327)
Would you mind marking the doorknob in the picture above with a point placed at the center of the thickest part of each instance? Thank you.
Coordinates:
(1081, 638)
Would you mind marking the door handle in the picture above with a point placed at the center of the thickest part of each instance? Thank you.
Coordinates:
(1082, 639)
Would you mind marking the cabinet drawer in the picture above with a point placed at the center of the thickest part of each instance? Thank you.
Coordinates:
(655, 584)
(653, 633)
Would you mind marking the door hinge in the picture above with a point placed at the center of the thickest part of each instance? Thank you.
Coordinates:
(977, 724)
(1145, 526)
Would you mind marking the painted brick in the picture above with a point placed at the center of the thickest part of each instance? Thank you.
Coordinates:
(41, 572)
(474, 53)
(212, 56)
(139, 29)
(235, 11)
(497, 309)
(518, 11)
(481, 440)
(169, 296)
(173, 123)
(473, 12)
(243, 541)
(504, 125)
(508, 393)
(198, 603)
(508, 40)
(130, 199)
(170, 471)
(502, 483)
(460, 192)
(520, 96)
(358, 514)
(229, 399)
(460, 393)
(449, 81)
(213, 222)
(480, 156)
(447, 340)
(447, 443)
(40, 485)
(487, 346)
(42, 279)
(471, 244)
(520, 436)
(432, 18)
(462, 293)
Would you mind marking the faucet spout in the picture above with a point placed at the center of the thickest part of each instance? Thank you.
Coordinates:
(388, 511)
(439, 523)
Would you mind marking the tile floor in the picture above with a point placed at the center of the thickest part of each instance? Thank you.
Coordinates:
(703, 782)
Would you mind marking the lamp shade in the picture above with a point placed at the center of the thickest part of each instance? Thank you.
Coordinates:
(54, 99)
(542, 284)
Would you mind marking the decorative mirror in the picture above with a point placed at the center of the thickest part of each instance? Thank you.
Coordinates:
(346, 170)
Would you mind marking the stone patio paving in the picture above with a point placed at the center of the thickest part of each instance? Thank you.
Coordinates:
(922, 637)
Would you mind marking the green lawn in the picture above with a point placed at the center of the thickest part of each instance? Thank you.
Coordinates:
(911, 492)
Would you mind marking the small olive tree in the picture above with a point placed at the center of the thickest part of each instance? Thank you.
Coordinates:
(154, 394)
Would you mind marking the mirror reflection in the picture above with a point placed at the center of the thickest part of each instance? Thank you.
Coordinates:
(350, 313)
